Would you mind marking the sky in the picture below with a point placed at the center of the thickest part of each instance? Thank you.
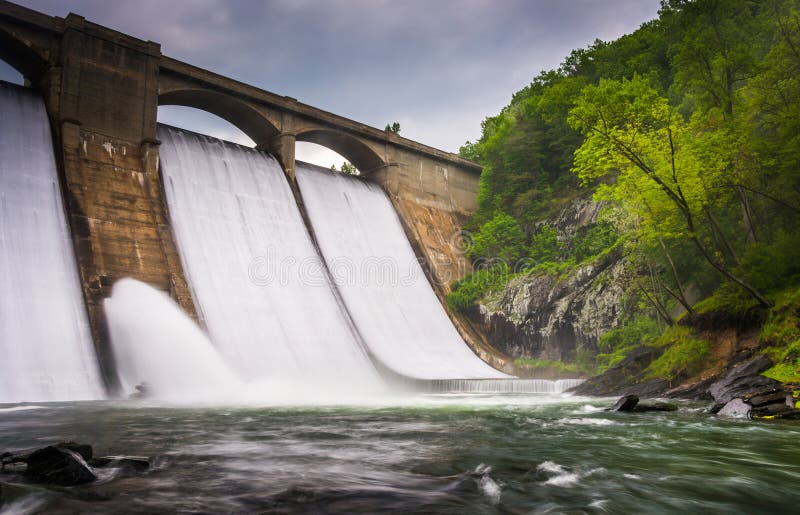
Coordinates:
(438, 67)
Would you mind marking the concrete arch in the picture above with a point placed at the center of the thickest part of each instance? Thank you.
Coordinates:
(353, 149)
(257, 127)
(21, 57)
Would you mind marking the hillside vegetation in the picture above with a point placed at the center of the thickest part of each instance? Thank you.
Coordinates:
(688, 132)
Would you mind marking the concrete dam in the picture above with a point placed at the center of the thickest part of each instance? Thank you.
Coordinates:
(121, 237)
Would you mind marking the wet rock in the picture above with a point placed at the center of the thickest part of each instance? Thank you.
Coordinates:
(85, 450)
(132, 463)
(768, 397)
(744, 380)
(626, 377)
(736, 408)
(775, 410)
(658, 406)
(58, 466)
(625, 403)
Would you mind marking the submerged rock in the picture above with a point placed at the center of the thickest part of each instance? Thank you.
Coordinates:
(59, 466)
(658, 406)
(630, 403)
(625, 403)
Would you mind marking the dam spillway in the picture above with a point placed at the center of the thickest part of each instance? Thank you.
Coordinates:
(252, 267)
(263, 291)
(381, 281)
(45, 341)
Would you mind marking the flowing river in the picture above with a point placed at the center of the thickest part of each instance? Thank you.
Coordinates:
(425, 454)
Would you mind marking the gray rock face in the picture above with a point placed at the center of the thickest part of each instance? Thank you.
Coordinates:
(548, 317)
(744, 379)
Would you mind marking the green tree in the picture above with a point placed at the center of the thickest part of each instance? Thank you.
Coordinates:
(670, 172)
(393, 128)
(500, 238)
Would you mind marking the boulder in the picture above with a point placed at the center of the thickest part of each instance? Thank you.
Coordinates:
(744, 379)
(85, 450)
(58, 466)
(658, 406)
(736, 408)
(625, 403)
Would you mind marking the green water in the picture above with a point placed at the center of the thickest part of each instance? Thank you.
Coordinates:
(447, 454)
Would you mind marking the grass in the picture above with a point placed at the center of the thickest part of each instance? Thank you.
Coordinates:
(684, 356)
(547, 364)
(780, 337)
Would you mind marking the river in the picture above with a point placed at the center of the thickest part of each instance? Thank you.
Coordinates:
(425, 454)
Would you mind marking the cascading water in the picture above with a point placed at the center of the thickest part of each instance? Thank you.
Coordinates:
(157, 346)
(381, 281)
(45, 341)
(503, 385)
(255, 276)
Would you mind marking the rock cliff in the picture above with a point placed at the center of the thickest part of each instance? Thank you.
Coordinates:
(552, 316)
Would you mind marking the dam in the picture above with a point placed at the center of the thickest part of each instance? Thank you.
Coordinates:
(274, 271)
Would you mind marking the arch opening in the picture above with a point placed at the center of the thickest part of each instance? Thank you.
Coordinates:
(237, 113)
(10, 74)
(350, 148)
(323, 156)
(203, 122)
(20, 58)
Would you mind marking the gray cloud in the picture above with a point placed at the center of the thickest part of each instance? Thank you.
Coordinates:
(437, 67)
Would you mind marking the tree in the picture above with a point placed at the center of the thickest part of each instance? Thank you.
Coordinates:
(673, 174)
(394, 128)
(349, 169)
(499, 238)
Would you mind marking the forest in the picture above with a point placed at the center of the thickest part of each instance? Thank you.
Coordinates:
(687, 132)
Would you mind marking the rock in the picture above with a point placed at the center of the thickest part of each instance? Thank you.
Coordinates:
(546, 316)
(626, 377)
(658, 406)
(58, 466)
(744, 380)
(736, 408)
(85, 450)
(134, 463)
(769, 397)
(625, 403)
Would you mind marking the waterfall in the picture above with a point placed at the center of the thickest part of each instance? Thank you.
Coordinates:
(255, 276)
(156, 344)
(503, 385)
(381, 281)
(45, 342)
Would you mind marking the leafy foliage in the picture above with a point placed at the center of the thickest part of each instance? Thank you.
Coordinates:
(688, 130)
(467, 291)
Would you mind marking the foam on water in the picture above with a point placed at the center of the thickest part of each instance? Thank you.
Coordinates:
(45, 341)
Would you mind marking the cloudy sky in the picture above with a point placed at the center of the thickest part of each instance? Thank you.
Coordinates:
(437, 67)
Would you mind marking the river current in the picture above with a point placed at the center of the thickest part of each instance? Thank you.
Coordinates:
(427, 454)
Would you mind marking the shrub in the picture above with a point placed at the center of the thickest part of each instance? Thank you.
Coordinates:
(683, 357)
